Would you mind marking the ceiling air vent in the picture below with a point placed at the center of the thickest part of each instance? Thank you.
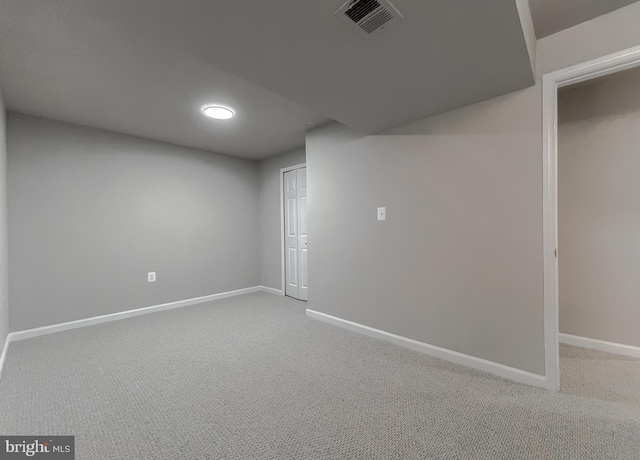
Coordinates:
(368, 15)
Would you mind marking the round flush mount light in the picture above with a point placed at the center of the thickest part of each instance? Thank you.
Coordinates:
(218, 112)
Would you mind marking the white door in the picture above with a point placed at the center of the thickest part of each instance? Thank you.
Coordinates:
(295, 227)
(303, 278)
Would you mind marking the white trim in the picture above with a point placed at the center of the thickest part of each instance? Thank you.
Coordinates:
(501, 370)
(36, 332)
(601, 345)
(5, 350)
(270, 290)
(550, 262)
(550, 83)
(30, 333)
(282, 242)
(292, 168)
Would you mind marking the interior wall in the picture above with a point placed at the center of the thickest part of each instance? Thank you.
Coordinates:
(599, 222)
(4, 264)
(459, 262)
(270, 225)
(93, 211)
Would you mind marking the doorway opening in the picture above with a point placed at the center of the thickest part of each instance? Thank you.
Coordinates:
(294, 245)
(553, 250)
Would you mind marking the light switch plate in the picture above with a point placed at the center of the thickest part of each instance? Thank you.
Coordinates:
(382, 213)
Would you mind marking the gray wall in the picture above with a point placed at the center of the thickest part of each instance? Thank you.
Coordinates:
(599, 219)
(92, 212)
(270, 236)
(458, 263)
(4, 275)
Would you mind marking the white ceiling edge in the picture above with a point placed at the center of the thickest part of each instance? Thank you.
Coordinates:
(296, 147)
(553, 16)
(526, 21)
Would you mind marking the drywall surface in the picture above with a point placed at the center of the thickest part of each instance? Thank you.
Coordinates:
(270, 228)
(4, 266)
(599, 222)
(459, 261)
(93, 211)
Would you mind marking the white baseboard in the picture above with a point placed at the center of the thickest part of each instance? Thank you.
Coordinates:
(36, 332)
(271, 290)
(29, 333)
(3, 356)
(601, 345)
(501, 370)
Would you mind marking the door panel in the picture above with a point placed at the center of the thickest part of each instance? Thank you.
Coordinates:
(304, 281)
(291, 234)
(295, 221)
(293, 265)
(292, 219)
(303, 287)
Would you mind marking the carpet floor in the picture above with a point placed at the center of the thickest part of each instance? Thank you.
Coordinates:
(251, 377)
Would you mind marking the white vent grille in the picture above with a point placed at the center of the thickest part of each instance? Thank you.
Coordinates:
(368, 15)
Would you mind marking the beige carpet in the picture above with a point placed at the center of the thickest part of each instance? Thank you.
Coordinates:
(599, 375)
(252, 377)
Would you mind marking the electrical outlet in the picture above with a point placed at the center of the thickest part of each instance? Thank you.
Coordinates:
(151, 277)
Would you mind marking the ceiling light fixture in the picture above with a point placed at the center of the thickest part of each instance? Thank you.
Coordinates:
(218, 112)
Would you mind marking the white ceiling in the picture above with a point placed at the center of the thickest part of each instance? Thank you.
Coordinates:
(444, 54)
(551, 16)
(59, 62)
(147, 67)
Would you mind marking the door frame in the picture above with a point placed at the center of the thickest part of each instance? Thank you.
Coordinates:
(282, 229)
(595, 68)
